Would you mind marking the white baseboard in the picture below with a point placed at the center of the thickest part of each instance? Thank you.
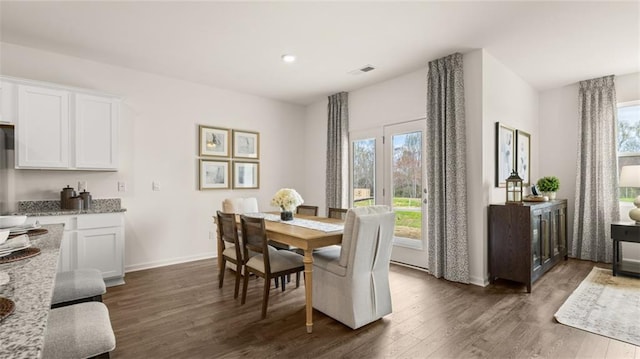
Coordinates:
(168, 262)
(481, 282)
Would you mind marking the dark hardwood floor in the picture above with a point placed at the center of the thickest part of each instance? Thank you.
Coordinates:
(179, 312)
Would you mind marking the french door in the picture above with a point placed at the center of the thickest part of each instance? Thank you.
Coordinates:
(388, 167)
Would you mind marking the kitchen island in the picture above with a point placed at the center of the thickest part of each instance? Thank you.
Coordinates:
(30, 287)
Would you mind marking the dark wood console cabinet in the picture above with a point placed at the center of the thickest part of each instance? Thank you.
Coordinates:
(526, 240)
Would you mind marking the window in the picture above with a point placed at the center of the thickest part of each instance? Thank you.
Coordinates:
(628, 143)
(363, 172)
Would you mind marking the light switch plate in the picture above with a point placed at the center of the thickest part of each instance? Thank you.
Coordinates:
(122, 186)
(82, 186)
(155, 186)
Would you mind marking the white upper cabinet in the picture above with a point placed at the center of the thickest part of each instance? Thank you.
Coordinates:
(8, 106)
(42, 128)
(60, 127)
(96, 121)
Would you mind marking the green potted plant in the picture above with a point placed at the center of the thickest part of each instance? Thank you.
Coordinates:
(549, 185)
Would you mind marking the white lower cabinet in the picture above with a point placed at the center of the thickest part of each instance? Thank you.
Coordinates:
(91, 241)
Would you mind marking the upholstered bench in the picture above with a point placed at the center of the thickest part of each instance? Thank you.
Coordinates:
(79, 331)
(77, 286)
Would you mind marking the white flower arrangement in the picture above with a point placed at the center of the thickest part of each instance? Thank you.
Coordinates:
(287, 199)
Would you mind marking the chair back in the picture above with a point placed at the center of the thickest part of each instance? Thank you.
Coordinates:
(371, 243)
(338, 213)
(240, 205)
(307, 210)
(228, 232)
(354, 229)
(254, 238)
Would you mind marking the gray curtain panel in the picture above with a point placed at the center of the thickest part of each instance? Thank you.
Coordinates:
(337, 150)
(596, 204)
(446, 171)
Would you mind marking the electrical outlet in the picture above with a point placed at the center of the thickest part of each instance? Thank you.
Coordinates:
(122, 186)
(82, 186)
(155, 185)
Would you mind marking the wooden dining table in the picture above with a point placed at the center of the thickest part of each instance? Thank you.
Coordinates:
(306, 239)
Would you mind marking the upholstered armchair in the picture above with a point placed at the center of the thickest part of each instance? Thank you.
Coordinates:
(351, 282)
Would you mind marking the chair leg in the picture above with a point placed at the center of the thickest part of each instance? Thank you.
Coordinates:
(282, 279)
(221, 274)
(237, 288)
(276, 280)
(265, 298)
(244, 289)
(297, 279)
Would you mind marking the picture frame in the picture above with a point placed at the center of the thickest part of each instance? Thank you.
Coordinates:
(214, 174)
(523, 156)
(246, 175)
(246, 144)
(214, 141)
(505, 153)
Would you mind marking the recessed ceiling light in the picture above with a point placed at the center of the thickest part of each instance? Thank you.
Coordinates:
(288, 58)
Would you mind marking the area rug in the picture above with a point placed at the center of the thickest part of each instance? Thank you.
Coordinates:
(605, 305)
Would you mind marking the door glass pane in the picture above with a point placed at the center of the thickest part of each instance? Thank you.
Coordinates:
(364, 172)
(406, 167)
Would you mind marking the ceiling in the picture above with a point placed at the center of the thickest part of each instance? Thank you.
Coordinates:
(238, 45)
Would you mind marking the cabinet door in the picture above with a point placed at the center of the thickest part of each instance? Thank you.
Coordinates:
(96, 132)
(536, 240)
(101, 249)
(42, 128)
(559, 231)
(67, 259)
(545, 236)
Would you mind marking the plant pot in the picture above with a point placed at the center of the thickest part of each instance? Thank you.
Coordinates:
(551, 195)
(286, 215)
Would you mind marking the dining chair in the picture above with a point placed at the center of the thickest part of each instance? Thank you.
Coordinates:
(228, 239)
(351, 282)
(266, 264)
(307, 210)
(338, 213)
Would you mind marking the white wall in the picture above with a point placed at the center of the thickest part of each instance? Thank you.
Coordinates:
(508, 99)
(159, 142)
(315, 163)
(559, 123)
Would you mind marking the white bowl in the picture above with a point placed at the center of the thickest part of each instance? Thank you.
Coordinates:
(11, 221)
(4, 234)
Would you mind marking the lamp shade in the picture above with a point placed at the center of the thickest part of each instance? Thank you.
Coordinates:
(630, 176)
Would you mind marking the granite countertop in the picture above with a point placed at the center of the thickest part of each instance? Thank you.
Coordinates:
(52, 208)
(30, 287)
(61, 212)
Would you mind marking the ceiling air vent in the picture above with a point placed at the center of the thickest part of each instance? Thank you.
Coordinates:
(365, 68)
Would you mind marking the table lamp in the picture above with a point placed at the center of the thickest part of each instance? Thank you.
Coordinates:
(630, 177)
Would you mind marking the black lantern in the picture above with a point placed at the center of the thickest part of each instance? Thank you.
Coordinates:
(514, 189)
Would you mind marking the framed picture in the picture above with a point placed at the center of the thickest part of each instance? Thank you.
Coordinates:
(246, 144)
(505, 153)
(523, 156)
(246, 174)
(214, 141)
(214, 174)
